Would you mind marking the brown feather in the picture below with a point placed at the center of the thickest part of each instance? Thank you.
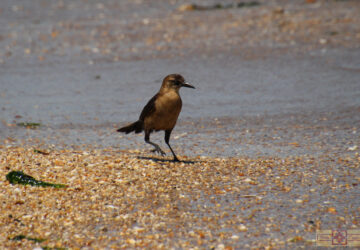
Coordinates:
(149, 108)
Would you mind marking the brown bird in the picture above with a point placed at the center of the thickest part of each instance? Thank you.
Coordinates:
(161, 112)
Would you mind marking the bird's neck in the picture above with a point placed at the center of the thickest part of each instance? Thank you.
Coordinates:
(168, 91)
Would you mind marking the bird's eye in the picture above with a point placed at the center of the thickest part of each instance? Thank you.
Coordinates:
(174, 82)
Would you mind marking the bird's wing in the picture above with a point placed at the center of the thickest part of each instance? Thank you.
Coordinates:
(149, 108)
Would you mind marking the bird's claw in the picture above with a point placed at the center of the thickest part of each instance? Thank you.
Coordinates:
(158, 150)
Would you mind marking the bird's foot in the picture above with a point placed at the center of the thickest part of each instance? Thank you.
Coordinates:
(176, 159)
(158, 150)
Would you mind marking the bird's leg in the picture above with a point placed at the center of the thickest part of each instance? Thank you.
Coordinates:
(156, 149)
(167, 138)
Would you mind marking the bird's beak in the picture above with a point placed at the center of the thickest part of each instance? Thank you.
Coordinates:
(187, 85)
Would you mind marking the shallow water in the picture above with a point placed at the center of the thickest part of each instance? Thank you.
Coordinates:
(82, 69)
(239, 107)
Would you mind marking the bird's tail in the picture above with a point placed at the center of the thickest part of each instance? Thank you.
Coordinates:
(136, 126)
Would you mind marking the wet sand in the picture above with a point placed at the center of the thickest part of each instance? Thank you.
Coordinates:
(272, 128)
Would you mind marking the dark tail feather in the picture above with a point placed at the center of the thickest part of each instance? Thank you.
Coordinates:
(136, 126)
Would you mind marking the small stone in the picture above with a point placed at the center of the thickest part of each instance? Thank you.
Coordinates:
(352, 148)
(187, 7)
(242, 228)
(220, 247)
(235, 237)
(322, 41)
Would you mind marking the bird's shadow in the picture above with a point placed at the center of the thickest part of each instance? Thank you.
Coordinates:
(155, 159)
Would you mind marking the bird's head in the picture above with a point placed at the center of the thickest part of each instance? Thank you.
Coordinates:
(175, 82)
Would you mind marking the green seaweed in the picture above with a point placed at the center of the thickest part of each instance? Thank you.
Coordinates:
(21, 237)
(36, 240)
(18, 237)
(247, 4)
(18, 177)
(226, 6)
(32, 125)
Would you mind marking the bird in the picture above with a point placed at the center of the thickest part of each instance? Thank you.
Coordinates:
(161, 112)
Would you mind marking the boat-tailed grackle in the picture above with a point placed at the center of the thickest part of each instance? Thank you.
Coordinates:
(161, 112)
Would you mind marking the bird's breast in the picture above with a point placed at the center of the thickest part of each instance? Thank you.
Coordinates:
(167, 110)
